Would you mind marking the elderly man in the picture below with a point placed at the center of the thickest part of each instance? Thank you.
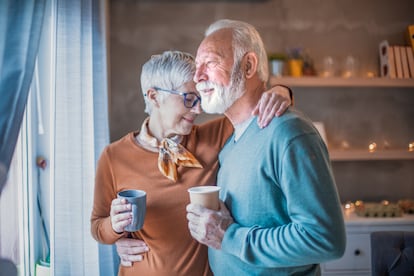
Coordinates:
(281, 213)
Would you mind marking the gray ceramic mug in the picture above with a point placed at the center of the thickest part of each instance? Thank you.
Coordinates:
(138, 201)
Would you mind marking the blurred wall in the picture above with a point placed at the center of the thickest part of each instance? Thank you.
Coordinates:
(335, 28)
(141, 28)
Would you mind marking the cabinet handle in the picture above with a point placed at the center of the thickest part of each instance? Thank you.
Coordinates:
(357, 252)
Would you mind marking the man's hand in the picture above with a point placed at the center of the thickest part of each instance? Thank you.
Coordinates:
(273, 102)
(208, 226)
(119, 215)
(131, 250)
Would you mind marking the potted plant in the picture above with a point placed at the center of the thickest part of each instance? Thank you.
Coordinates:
(276, 61)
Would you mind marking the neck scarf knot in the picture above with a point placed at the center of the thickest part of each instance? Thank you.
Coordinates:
(171, 153)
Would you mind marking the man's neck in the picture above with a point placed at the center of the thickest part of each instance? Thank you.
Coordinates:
(241, 110)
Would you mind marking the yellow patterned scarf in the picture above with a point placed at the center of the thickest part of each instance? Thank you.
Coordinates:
(171, 153)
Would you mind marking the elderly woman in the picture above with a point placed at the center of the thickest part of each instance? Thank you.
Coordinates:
(144, 160)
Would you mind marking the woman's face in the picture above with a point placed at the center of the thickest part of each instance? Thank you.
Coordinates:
(175, 117)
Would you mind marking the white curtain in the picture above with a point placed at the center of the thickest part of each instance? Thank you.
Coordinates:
(80, 132)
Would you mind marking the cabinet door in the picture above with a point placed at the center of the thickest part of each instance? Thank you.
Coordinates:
(357, 257)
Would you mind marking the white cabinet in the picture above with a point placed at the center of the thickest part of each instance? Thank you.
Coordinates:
(357, 258)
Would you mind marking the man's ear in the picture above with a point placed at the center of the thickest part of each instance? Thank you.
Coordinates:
(250, 64)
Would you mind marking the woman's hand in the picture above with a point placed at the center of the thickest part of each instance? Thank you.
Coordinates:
(273, 102)
(131, 250)
(120, 217)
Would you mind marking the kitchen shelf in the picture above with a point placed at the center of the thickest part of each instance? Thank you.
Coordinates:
(341, 82)
(350, 155)
(365, 155)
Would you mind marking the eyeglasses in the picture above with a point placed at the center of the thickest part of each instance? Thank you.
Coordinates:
(190, 98)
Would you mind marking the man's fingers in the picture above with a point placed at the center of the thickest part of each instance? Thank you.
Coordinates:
(193, 218)
(196, 209)
(223, 208)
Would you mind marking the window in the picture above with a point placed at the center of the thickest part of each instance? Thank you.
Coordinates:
(66, 124)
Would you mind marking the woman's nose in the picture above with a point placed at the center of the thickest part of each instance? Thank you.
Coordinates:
(197, 108)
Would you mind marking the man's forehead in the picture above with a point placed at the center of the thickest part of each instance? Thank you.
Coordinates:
(218, 44)
(208, 51)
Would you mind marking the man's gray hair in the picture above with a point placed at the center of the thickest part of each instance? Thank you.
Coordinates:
(245, 39)
(169, 70)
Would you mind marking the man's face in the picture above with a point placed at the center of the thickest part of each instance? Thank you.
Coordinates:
(219, 82)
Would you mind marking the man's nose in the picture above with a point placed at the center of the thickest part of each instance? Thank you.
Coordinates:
(200, 74)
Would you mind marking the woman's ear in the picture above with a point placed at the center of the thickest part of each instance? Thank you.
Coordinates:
(152, 96)
(250, 64)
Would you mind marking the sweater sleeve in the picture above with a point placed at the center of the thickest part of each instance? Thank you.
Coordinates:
(101, 227)
(314, 231)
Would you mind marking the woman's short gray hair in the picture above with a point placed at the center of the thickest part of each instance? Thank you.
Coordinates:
(168, 70)
(245, 39)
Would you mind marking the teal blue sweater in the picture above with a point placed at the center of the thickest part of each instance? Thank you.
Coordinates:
(279, 187)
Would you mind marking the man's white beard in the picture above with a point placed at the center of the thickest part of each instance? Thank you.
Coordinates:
(223, 96)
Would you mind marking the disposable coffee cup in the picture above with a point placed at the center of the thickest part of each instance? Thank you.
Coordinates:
(138, 201)
(207, 196)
